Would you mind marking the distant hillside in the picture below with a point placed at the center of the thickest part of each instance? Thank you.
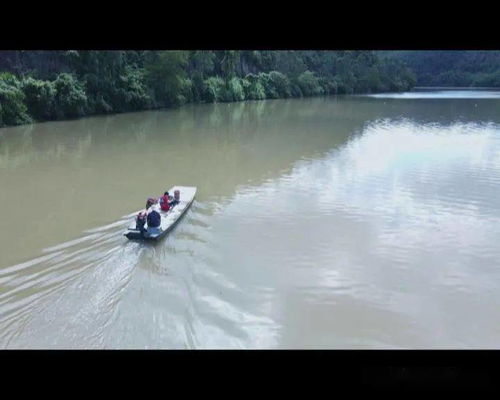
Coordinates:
(451, 67)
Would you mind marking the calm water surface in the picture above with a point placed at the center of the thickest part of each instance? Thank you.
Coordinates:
(348, 222)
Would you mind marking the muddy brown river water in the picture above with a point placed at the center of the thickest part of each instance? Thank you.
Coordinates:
(329, 222)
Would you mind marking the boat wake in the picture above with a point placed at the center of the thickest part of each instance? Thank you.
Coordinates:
(39, 294)
(103, 291)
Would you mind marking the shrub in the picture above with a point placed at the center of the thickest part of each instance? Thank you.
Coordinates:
(39, 98)
(254, 90)
(343, 85)
(13, 111)
(198, 87)
(70, 99)
(295, 89)
(233, 90)
(329, 86)
(245, 84)
(100, 105)
(213, 88)
(309, 84)
(281, 84)
(268, 86)
(187, 91)
(133, 92)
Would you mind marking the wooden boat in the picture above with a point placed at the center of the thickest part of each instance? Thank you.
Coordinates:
(169, 219)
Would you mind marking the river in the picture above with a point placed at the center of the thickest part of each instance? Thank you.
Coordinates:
(330, 222)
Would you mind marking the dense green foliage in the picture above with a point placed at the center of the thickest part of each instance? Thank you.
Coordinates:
(40, 98)
(49, 85)
(452, 68)
(13, 109)
(70, 97)
(165, 73)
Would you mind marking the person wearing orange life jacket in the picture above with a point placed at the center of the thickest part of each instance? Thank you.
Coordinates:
(164, 202)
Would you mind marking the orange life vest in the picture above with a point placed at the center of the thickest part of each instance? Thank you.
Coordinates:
(164, 203)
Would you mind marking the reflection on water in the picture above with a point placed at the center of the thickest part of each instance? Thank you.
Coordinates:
(353, 222)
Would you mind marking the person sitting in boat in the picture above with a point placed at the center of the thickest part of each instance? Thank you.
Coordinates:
(150, 202)
(141, 218)
(164, 202)
(153, 218)
(177, 198)
(140, 221)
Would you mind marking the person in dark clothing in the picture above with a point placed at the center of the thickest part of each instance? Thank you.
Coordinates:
(140, 221)
(154, 219)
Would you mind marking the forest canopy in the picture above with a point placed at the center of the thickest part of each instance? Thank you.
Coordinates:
(452, 67)
(48, 85)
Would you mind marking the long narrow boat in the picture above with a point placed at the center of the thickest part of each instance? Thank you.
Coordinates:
(169, 218)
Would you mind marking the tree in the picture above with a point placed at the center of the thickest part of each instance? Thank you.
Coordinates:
(70, 97)
(281, 83)
(165, 71)
(13, 110)
(201, 62)
(39, 98)
(254, 89)
(309, 84)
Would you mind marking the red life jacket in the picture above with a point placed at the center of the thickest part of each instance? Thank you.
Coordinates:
(164, 203)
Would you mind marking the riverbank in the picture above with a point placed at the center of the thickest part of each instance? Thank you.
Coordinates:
(60, 85)
(31, 121)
